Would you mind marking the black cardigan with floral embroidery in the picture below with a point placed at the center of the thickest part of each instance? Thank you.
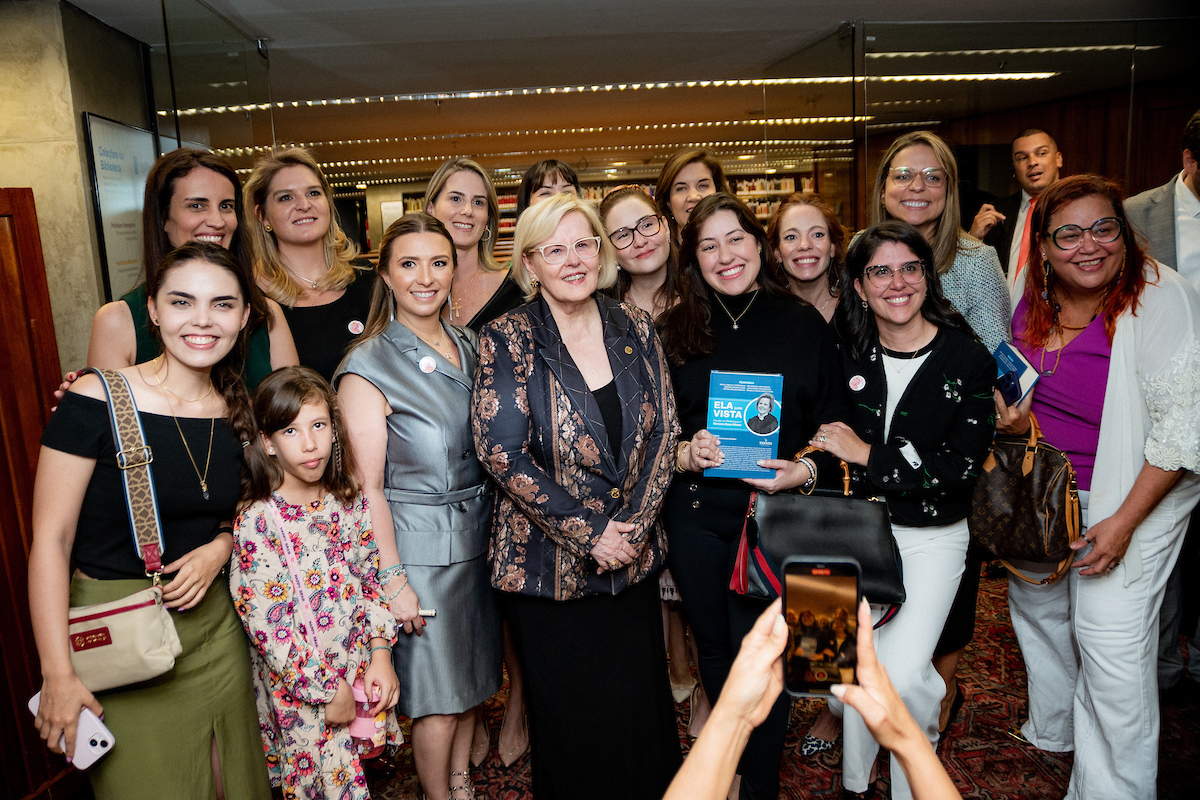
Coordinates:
(940, 434)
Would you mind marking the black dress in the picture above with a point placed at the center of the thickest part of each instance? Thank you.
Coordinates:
(324, 333)
(704, 516)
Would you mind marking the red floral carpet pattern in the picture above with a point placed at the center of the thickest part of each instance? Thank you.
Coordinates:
(984, 762)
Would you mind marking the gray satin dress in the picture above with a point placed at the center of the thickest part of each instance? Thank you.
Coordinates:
(441, 503)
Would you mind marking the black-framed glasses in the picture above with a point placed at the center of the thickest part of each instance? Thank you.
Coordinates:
(555, 254)
(932, 177)
(880, 275)
(1103, 230)
(647, 226)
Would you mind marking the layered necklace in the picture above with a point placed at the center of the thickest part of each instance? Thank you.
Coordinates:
(735, 320)
(212, 423)
(1059, 327)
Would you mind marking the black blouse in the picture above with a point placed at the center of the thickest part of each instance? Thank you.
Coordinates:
(940, 434)
(775, 334)
(104, 544)
(324, 333)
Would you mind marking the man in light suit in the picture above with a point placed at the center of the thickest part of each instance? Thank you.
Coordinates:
(1036, 163)
(1169, 218)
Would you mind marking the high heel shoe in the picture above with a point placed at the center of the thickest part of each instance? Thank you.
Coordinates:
(682, 691)
(955, 707)
(465, 790)
(480, 748)
(511, 755)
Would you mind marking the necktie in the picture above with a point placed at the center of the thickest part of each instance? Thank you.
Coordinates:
(1023, 253)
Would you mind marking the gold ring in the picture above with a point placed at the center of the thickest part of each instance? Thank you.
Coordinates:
(614, 564)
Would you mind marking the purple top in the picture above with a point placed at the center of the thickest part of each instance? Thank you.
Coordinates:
(1069, 403)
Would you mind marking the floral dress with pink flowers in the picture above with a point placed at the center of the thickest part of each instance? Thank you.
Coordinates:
(294, 677)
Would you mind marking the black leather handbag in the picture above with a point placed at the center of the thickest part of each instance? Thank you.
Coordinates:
(827, 523)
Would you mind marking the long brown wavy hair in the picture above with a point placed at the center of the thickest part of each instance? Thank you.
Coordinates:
(671, 170)
(686, 329)
(837, 236)
(1125, 289)
(667, 293)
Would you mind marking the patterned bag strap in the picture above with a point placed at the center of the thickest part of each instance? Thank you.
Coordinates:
(133, 459)
(285, 542)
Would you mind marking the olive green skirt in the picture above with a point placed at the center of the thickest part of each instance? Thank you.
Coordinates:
(164, 728)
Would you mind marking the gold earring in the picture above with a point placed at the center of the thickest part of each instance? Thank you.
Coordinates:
(534, 282)
(268, 227)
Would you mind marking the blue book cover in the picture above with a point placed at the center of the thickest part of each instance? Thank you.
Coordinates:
(744, 413)
(1015, 376)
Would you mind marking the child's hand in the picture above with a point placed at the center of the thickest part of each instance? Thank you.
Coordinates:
(340, 710)
(404, 608)
(381, 681)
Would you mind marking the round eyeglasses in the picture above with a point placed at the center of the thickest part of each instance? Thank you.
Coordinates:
(647, 226)
(1104, 230)
(555, 254)
(933, 177)
(880, 275)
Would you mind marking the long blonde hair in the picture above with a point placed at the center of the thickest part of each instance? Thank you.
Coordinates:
(278, 283)
(948, 236)
(438, 182)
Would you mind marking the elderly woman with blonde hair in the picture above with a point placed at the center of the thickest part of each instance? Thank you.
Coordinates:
(574, 418)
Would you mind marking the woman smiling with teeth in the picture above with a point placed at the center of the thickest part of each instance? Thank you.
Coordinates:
(735, 315)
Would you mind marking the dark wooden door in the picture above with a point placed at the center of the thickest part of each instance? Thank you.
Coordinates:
(29, 373)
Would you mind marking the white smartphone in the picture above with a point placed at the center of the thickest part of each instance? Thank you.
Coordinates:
(92, 738)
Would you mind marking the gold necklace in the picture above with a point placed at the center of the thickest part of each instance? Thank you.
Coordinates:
(212, 424)
(721, 303)
(160, 384)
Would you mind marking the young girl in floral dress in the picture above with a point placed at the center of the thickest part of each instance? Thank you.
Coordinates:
(306, 582)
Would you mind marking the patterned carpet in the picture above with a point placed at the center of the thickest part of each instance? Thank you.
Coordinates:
(979, 755)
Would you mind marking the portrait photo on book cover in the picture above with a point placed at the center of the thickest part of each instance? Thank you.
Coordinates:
(760, 415)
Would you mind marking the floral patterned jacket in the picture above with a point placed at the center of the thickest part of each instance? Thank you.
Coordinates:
(539, 432)
(941, 431)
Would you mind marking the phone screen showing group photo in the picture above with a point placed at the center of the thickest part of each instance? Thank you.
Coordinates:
(819, 606)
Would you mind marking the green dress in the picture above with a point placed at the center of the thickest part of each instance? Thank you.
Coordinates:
(258, 354)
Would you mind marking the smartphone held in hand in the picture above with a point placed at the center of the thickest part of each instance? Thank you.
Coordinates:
(92, 738)
(820, 598)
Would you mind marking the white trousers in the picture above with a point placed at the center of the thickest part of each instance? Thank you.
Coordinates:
(1106, 702)
(934, 560)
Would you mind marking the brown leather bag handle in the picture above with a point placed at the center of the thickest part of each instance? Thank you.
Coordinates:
(845, 467)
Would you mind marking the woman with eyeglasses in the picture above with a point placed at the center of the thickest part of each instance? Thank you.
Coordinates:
(919, 430)
(735, 315)
(1116, 338)
(917, 183)
(648, 277)
(574, 419)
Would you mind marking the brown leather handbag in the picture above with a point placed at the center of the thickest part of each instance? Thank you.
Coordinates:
(1026, 504)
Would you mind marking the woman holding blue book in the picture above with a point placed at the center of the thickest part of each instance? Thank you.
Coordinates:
(735, 314)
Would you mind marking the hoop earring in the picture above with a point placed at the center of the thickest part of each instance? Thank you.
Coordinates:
(865, 305)
(487, 234)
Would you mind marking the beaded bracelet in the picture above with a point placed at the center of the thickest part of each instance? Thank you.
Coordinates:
(808, 486)
(385, 575)
(396, 594)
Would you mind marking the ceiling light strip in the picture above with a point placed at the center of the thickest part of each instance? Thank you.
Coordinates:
(553, 90)
(1014, 51)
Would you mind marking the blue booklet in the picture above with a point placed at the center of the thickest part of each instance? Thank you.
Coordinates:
(1015, 376)
(744, 412)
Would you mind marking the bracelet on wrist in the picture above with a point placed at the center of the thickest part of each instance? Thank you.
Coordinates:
(380, 647)
(679, 451)
(386, 574)
(396, 594)
(810, 484)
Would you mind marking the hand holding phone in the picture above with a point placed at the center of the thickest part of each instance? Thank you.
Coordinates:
(820, 599)
(92, 738)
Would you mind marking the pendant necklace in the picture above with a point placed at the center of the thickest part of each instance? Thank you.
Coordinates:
(301, 278)
(726, 310)
(212, 424)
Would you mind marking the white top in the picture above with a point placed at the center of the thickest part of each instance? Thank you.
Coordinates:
(1151, 408)
(1187, 232)
(898, 372)
(1014, 249)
